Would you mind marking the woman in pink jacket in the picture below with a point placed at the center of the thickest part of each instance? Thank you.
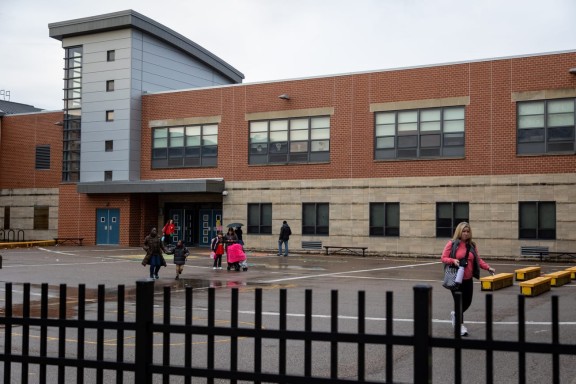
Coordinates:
(462, 251)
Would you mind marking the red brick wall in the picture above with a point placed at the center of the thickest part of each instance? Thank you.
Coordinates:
(490, 119)
(18, 140)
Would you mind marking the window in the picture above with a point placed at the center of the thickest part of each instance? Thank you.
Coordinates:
(41, 217)
(191, 146)
(42, 157)
(384, 219)
(296, 140)
(107, 175)
(448, 216)
(546, 126)
(111, 55)
(109, 115)
(72, 115)
(109, 85)
(432, 132)
(109, 145)
(537, 220)
(315, 218)
(260, 218)
(6, 217)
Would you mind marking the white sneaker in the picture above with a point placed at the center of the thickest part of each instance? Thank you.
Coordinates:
(453, 318)
(219, 267)
(213, 267)
(463, 330)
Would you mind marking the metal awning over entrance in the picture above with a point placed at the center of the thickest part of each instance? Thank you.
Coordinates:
(154, 186)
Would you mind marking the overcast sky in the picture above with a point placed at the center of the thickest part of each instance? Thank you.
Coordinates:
(274, 40)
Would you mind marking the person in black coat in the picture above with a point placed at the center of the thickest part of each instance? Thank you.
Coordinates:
(285, 233)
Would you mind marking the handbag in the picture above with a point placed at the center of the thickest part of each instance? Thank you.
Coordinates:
(449, 281)
(212, 254)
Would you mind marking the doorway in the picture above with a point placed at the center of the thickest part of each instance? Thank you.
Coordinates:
(108, 226)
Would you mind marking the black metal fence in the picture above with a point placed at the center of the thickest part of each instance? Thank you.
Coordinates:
(53, 340)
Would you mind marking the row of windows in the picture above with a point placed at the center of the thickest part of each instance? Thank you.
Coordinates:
(546, 126)
(537, 219)
(40, 221)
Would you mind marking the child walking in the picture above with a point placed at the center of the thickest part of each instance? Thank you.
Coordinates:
(217, 247)
(180, 255)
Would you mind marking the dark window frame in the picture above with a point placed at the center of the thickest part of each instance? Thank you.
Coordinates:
(445, 226)
(177, 147)
(273, 145)
(259, 221)
(419, 142)
(109, 85)
(108, 175)
(110, 115)
(109, 146)
(312, 222)
(111, 55)
(41, 217)
(71, 124)
(390, 219)
(545, 138)
(537, 231)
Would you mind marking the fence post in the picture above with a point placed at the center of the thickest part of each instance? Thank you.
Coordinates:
(144, 335)
(422, 334)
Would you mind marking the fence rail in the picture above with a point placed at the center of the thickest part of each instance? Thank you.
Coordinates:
(112, 347)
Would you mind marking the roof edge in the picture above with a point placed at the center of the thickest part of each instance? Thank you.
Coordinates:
(132, 19)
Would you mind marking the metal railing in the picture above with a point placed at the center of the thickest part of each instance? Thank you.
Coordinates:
(90, 337)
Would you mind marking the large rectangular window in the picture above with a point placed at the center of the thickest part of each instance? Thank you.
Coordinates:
(260, 218)
(546, 126)
(72, 115)
(294, 140)
(41, 217)
(384, 219)
(420, 133)
(315, 218)
(186, 146)
(42, 157)
(537, 220)
(448, 216)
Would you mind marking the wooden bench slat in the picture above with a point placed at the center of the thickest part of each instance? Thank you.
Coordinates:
(535, 286)
(527, 273)
(498, 281)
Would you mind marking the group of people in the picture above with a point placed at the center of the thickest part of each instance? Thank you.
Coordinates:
(460, 251)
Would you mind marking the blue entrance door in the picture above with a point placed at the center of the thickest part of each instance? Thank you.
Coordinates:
(210, 221)
(108, 226)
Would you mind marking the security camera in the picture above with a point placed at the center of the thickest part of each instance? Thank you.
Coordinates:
(224, 193)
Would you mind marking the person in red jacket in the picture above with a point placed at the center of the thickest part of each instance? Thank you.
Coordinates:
(167, 232)
(465, 254)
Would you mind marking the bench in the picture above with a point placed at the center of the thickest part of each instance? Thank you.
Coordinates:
(74, 240)
(536, 286)
(559, 278)
(312, 245)
(354, 250)
(527, 273)
(543, 252)
(534, 250)
(494, 282)
(572, 271)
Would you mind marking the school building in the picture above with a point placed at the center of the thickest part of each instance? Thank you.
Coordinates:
(156, 127)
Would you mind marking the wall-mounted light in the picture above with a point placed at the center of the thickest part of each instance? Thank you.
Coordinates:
(59, 123)
(224, 193)
(572, 71)
(284, 96)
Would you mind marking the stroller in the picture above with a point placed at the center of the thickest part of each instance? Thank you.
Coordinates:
(236, 258)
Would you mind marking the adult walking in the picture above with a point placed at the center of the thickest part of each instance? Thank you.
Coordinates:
(285, 233)
(462, 251)
(154, 247)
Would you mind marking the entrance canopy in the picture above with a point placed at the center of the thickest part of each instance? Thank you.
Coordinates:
(154, 186)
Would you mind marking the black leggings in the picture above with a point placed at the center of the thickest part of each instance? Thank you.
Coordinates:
(467, 290)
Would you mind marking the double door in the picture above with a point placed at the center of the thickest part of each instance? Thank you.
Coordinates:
(108, 226)
(195, 226)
